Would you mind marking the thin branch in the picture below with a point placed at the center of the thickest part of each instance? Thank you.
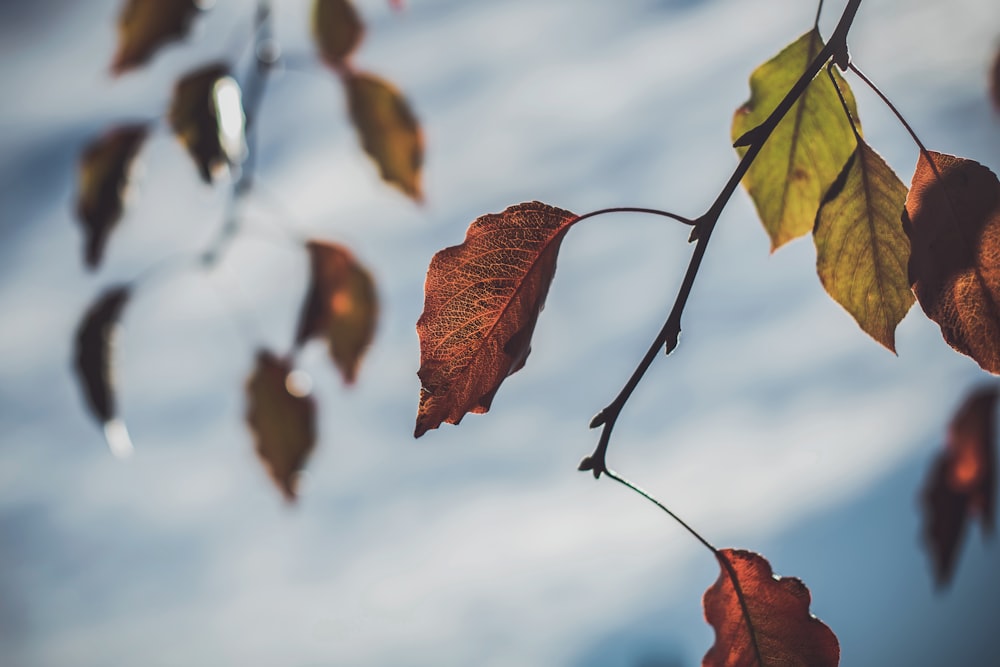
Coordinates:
(754, 141)
(253, 94)
(819, 11)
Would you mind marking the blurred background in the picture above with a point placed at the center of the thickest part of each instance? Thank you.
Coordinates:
(776, 426)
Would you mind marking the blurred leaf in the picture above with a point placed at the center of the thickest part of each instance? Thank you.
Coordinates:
(808, 148)
(337, 29)
(104, 174)
(952, 216)
(481, 303)
(93, 350)
(341, 306)
(283, 424)
(962, 482)
(995, 81)
(776, 627)
(146, 25)
(206, 114)
(388, 130)
(861, 248)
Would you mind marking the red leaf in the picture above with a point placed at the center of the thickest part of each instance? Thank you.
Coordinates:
(482, 300)
(775, 628)
(341, 306)
(337, 29)
(92, 354)
(952, 215)
(283, 424)
(962, 482)
(104, 171)
(144, 26)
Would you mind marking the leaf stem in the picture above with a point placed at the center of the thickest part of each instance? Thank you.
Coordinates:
(819, 11)
(719, 556)
(754, 141)
(843, 103)
(645, 494)
(636, 209)
(868, 82)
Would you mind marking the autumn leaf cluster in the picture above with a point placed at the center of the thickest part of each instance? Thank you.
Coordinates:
(211, 115)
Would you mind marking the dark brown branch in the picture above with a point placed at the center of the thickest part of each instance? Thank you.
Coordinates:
(753, 140)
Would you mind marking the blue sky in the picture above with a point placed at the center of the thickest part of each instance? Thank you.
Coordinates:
(776, 425)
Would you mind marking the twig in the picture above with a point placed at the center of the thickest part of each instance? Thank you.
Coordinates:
(754, 141)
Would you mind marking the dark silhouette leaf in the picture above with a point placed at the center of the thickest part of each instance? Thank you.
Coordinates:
(952, 216)
(388, 130)
(206, 114)
(337, 29)
(93, 350)
(481, 302)
(104, 172)
(146, 25)
(775, 628)
(861, 248)
(962, 482)
(995, 81)
(808, 148)
(283, 424)
(340, 306)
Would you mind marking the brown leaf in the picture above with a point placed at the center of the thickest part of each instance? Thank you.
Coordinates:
(962, 483)
(341, 306)
(481, 302)
(206, 114)
(104, 174)
(775, 628)
(93, 349)
(337, 29)
(388, 130)
(283, 424)
(144, 26)
(952, 216)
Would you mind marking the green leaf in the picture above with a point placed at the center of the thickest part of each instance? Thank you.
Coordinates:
(805, 153)
(861, 246)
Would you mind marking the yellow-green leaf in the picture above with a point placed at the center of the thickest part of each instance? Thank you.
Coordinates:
(144, 26)
(388, 130)
(861, 247)
(341, 306)
(337, 29)
(283, 423)
(805, 153)
(206, 114)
